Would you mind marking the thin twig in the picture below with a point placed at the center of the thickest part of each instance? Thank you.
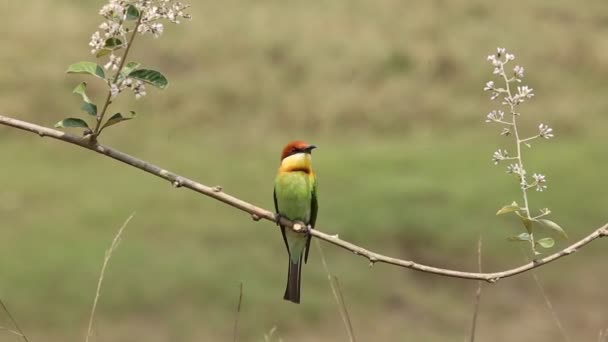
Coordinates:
(235, 332)
(343, 304)
(106, 259)
(477, 293)
(258, 213)
(18, 332)
(337, 292)
(548, 303)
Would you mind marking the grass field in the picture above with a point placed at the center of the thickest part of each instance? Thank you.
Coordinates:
(390, 91)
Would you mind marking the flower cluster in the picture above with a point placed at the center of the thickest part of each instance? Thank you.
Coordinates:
(123, 21)
(124, 17)
(138, 87)
(163, 9)
(512, 97)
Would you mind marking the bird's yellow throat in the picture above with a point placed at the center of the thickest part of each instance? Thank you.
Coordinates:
(296, 162)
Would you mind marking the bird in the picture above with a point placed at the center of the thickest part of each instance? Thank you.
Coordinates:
(295, 198)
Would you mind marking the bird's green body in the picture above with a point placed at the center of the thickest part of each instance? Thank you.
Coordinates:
(294, 196)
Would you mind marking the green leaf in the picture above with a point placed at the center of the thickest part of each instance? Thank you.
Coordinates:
(112, 43)
(528, 223)
(81, 90)
(116, 118)
(132, 13)
(546, 242)
(129, 67)
(102, 52)
(520, 237)
(71, 122)
(152, 77)
(553, 226)
(86, 68)
(88, 106)
(508, 209)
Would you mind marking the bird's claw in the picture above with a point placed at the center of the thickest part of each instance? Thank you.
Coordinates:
(307, 228)
(300, 227)
(277, 219)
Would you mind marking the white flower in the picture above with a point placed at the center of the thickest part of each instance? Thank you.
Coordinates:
(516, 169)
(539, 182)
(518, 71)
(114, 90)
(139, 89)
(489, 86)
(509, 57)
(156, 29)
(524, 91)
(97, 43)
(495, 116)
(113, 9)
(545, 131)
(499, 155)
(500, 51)
(113, 62)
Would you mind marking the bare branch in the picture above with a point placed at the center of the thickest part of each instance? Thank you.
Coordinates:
(258, 213)
(106, 259)
(477, 293)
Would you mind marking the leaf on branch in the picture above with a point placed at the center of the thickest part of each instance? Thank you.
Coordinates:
(102, 52)
(88, 106)
(112, 43)
(86, 68)
(528, 223)
(553, 226)
(520, 237)
(132, 13)
(546, 242)
(129, 67)
(71, 122)
(116, 118)
(152, 77)
(508, 209)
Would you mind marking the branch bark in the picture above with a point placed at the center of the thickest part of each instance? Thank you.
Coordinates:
(258, 213)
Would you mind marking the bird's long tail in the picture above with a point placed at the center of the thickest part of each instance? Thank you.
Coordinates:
(292, 292)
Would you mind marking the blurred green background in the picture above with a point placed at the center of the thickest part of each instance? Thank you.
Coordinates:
(390, 91)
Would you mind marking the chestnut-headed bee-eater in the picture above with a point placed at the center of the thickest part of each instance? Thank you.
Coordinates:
(295, 198)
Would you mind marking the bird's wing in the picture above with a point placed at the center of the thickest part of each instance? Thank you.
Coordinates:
(314, 207)
(276, 208)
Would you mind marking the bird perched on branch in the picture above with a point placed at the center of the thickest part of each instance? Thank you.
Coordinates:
(295, 198)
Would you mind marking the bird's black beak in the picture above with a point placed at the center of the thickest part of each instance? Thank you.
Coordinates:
(309, 148)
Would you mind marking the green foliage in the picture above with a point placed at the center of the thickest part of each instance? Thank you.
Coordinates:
(553, 226)
(546, 242)
(72, 122)
(88, 106)
(152, 77)
(508, 208)
(117, 118)
(520, 237)
(89, 68)
(129, 67)
(132, 13)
